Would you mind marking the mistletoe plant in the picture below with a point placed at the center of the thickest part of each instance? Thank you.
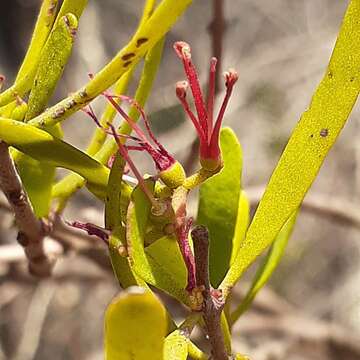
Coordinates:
(152, 242)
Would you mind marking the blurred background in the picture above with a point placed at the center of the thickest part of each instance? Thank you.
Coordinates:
(311, 308)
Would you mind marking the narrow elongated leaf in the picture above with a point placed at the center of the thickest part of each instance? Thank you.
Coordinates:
(176, 346)
(41, 32)
(267, 268)
(242, 224)
(75, 7)
(42, 146)
(219, 204)
(308, 146)
(38, 177)
(144, 264)
(135, 326)
(53, 59)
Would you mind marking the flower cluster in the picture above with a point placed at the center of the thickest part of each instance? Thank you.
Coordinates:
(169, 170)
(208, 131)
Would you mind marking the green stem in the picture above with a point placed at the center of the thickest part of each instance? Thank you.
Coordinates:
(198, 178)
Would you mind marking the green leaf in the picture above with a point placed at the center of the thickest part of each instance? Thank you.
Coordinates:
(242, 224)
(119, 262)
(42, 146)
(166, 253)
(267, 267)
(135, 326)
(38, 177)
(75, 7)
(41, 32)
(308, 146)
(53, 59)
(116, 191)
(146, 263)
(176, 346)
(219, 204)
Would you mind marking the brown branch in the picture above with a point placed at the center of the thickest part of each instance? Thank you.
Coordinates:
(212, 305)
(217, 29)
(31, 234)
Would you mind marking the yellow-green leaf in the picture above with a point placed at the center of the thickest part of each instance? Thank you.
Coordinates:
(166, 253)
(38, 177)
(41, 32)
(219, 204)
(149, 268)
(75, 7)
(308, 146)
(42, 146)
(176, 346)
(135, 326)
(242, 224)
(53, 59)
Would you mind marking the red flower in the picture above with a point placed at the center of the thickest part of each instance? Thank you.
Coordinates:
(207, 130)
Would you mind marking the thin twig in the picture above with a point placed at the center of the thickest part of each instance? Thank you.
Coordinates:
(31, 233)
(217, 30)
(212, 306)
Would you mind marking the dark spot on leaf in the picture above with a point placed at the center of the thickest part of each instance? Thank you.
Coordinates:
(312, 135)
(352, 79)
(126, 64)
(330, 75)
(324, 132)
(141, 41)
(128, 56)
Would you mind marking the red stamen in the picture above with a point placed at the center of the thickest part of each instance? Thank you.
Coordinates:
(134, 103)
(231, 77)
(130, 121)
(211, 96)
(90, 112)
(181, 87)
(183, 50)
(187, 253)
(125, 155)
